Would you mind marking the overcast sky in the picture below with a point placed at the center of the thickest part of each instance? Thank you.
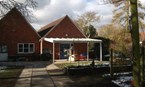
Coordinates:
(50, 10)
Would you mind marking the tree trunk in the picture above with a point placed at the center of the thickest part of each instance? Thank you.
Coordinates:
(135, 43)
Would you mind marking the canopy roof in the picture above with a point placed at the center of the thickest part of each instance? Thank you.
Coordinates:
(72, 40)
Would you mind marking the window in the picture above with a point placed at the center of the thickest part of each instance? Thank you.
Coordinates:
(31, 47)
(20, 48)
(26, 47)
(3, 49)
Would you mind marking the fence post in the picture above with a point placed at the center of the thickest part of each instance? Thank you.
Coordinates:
(142, 66)
(111, 63)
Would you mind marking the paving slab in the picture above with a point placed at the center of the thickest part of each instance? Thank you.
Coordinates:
(25, 77)
(37, 75)
(41, 78)
(52, 67)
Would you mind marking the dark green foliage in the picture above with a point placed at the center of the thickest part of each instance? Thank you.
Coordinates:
(105, 48)
(45, 57)
(90, 31)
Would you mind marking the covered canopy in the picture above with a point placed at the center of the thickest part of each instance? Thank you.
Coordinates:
(72, 40)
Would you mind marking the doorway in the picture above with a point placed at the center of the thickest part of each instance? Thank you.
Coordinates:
(64, 51)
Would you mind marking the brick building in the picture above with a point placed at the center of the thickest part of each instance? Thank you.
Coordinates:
(62, 38)
(17, 36)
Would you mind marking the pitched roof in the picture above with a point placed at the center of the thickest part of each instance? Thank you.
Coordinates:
(12, 11)
(15, 11)
(48, 27)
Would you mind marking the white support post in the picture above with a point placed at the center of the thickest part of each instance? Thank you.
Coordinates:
(41, 46)
(100, 51)
(87, 51)
(70, 53)
(53, 52)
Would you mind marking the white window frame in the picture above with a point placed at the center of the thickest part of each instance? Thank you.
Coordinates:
(28, 47)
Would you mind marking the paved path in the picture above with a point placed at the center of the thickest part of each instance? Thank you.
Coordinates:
(36, 75)
(25, 77)
(40, 77)
(43, 74)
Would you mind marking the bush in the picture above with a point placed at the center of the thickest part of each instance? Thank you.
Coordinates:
(45, 57)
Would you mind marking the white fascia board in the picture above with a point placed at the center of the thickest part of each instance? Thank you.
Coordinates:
(72, 40)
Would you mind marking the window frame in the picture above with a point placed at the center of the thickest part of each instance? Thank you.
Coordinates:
(23, 48)
(2, 48)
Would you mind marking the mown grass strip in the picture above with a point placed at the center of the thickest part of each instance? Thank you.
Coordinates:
(9, 76)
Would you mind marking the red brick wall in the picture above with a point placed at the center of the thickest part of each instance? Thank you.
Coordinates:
(66, 27)
(79, 48)
(49, 46)
(15, 29)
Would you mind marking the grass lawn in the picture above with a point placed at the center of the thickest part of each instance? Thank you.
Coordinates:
(80, 63)
(9, 76)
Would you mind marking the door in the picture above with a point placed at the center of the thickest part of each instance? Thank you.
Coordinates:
(64, 51)
(3, 53)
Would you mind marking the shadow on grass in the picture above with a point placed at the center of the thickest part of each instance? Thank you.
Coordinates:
(9, 77)
(80, 80)
(83, 77)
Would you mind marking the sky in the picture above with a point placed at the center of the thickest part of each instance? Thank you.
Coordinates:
(50, 10)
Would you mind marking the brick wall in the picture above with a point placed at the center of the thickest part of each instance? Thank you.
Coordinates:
(15, 29)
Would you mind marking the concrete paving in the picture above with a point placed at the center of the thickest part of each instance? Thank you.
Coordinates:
(52, 67)
(43, 74)
(25, 77)
(40, 77)
(37, 75)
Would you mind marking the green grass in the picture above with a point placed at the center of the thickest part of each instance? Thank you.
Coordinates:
(79, 63)
(9, 76)
(62, 65)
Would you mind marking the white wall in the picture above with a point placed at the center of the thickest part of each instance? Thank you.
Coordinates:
(3, 56)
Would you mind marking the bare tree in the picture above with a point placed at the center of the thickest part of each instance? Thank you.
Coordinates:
(136, 13)
(122, 12)
(86, 20)
(120, 37)
(24, 7)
